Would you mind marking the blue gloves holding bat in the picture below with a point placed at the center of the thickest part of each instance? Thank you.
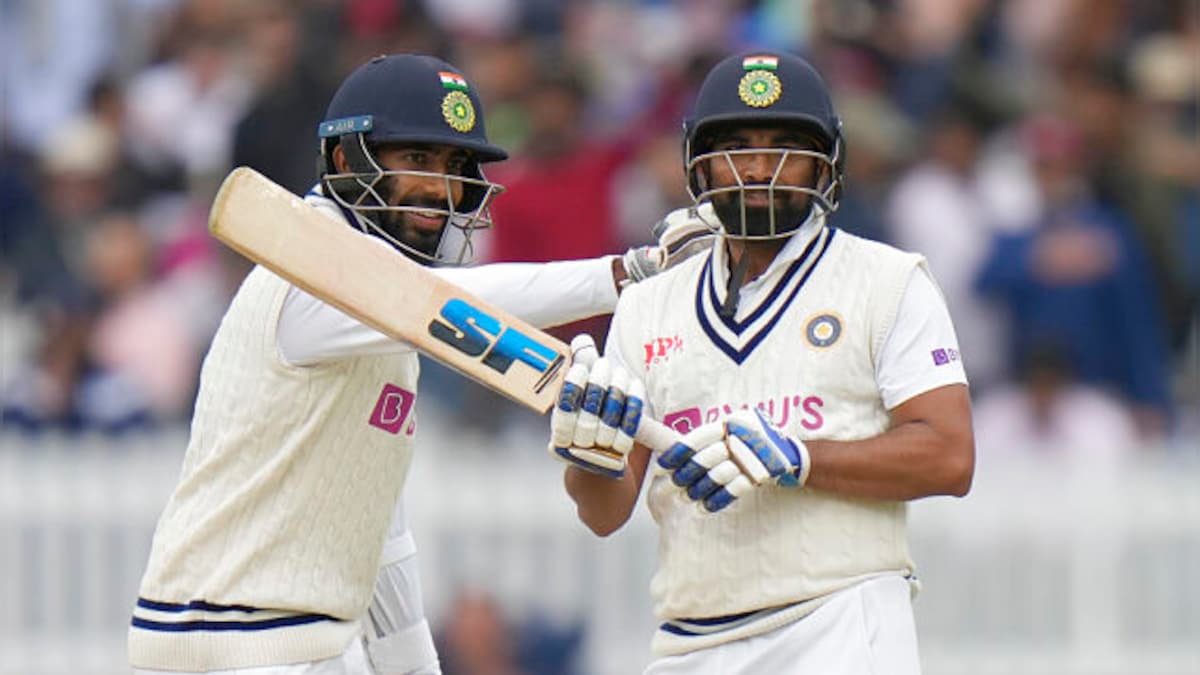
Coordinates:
(599, 411)
(719, 462)
(597, 414)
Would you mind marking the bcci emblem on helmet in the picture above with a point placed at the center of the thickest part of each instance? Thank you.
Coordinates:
(458, 111)
(760, 87)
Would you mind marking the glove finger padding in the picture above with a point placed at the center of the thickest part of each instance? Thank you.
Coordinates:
(738, 487)
(698, 465)
(613, 409)
(566, 410)
(631, 419)
(594, 393)
(697, 439)
(764, 452)
(583, 350)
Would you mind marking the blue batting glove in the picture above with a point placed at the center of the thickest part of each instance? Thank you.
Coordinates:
(598, 412)
(719, 462)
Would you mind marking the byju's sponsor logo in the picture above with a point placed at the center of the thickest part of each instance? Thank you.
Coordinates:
(393, 409)
(782, 410)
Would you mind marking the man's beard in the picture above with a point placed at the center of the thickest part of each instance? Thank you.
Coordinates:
(395, 224)
(791, 209)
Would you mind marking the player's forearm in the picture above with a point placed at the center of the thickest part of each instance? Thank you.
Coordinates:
(603, 504)
(544, 294)
(910, 461)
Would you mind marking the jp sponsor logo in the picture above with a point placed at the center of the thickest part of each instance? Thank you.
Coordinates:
(943, 356)
(393, 409)
(660, 349)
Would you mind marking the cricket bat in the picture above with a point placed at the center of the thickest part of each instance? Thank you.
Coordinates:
(396, 296)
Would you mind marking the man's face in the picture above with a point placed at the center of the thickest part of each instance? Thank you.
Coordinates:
(773, 167)
(420, 229)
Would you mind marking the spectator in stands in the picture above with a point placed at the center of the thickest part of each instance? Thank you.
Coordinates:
(142, 359)
(1079, 279)
(75, 187)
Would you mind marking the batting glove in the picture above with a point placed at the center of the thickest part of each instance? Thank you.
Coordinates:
(681, 234)
(598, 412)
(719, 462)
(686, 232)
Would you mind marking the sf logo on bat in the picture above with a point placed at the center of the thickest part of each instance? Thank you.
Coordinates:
(474, 332)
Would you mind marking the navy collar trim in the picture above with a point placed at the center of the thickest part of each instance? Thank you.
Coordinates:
(737, 339)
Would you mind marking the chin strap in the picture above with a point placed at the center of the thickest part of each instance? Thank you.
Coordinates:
(729, 307)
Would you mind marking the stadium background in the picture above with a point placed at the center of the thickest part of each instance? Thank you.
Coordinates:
(1043, 154)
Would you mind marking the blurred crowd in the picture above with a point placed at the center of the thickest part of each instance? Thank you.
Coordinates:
(1043, 155)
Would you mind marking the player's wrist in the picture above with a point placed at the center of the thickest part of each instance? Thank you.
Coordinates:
(798, 476)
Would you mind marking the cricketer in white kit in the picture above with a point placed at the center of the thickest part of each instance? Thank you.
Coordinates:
(284, 548)
(817, 381)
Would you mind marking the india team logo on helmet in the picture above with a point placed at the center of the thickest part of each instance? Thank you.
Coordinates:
(457, 109)
(760, 87)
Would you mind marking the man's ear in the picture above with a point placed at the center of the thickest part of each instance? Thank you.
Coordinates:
(339, 160)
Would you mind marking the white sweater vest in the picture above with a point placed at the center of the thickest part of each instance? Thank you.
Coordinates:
(806, 355)
(268, 549)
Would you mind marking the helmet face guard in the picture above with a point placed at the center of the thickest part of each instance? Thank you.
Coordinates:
(787, 206)
(399, 100)
(765, 90)
(367, 194)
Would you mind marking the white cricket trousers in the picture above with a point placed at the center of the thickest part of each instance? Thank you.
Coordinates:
(866, 629)
(353, 661)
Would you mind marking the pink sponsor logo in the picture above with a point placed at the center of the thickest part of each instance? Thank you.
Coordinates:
(393, 409)
(781, 410)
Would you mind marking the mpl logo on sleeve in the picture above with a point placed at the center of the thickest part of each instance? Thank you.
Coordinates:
(474, 332)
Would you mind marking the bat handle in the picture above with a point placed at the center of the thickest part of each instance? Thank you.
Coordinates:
(656, 435)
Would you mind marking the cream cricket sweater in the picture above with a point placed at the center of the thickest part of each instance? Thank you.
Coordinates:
(268, 549)
(806, 355)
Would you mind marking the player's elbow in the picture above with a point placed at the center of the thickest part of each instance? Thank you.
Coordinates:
(602, 504)
(601, 521)
(600, 528)
(960, 468)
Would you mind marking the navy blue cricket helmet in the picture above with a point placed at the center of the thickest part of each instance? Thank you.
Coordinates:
(408, 99)
(755, 89)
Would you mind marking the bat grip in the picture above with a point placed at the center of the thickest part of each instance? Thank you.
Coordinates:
(656, 435)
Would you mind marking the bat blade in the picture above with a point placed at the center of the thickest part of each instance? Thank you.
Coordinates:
(372, 282)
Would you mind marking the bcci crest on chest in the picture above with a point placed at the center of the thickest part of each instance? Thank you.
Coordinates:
(823, 330)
